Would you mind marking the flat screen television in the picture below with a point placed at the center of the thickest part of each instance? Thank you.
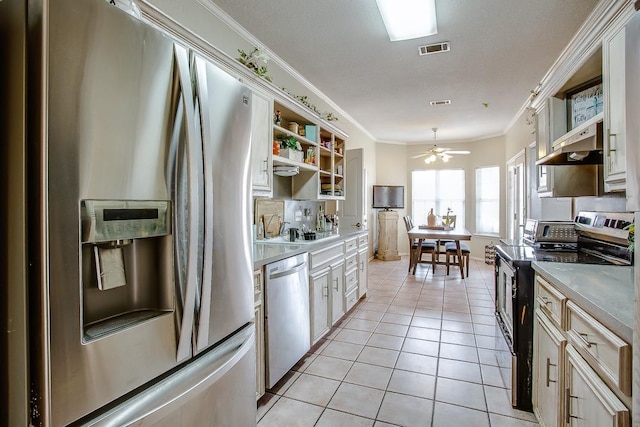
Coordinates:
(388, 196)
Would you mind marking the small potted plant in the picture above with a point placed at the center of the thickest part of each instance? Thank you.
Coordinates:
(290, 148)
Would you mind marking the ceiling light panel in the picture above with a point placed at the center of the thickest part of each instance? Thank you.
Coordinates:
(408, 19)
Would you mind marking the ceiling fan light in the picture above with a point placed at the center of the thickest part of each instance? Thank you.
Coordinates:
(445, 158)
(408, 19)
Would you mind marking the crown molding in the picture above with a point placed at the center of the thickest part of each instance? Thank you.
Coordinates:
(584, 43)
(251, 39)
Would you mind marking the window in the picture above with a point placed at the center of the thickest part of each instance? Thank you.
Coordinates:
(488, 200)
(437, 189)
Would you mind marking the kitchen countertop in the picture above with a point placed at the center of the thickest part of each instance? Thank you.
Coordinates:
(265, 252)
(604, 291)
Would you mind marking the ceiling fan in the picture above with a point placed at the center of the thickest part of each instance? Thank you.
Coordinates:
(439, 153)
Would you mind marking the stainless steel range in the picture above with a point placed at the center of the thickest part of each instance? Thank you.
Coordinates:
(593, 238)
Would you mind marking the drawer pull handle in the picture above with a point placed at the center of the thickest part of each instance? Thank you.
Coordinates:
(583, 338)
(336, 287)
(545, 300)
(549, 365)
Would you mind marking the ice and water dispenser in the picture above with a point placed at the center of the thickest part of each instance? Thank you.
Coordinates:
(127, 264)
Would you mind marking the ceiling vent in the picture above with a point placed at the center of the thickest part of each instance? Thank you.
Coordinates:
(434, 48)
(441, 102)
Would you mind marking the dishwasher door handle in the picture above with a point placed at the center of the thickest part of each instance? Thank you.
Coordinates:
(289, 272)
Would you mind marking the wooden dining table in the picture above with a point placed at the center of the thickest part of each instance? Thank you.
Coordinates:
(420, 234)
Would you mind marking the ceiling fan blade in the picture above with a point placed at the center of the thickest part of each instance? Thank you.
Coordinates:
(457, 152)
(440, 149)
(420, 155)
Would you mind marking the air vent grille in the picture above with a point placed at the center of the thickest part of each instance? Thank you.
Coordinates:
(441, 102)
(434, 48)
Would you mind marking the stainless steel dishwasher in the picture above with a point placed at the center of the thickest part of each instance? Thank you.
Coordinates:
(288, 333)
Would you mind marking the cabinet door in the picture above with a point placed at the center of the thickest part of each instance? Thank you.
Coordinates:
(319, 292)
(613, 48)
(258, 286)
(543, 145)
(588, 400)
(260, 386)
(548, 348)
(337, 291)
(363, 271)
(261, 158)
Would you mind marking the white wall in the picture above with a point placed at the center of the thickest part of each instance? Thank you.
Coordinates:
(395, 164)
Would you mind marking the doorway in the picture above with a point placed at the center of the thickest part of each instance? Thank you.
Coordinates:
(516, 196)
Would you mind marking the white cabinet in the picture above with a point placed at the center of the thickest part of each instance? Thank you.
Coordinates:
(614, 141)
(363, 270)
(319, 291)
(589, 402)
(337, 291)
(258, 287)
(582, 370)
(261, 158)
(549, 345)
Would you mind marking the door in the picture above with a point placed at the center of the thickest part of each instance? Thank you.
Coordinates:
(319, 291)
(224, 105)
(548, 350)
(354, 213)
(100, 143)
(588, 401)
(337, 291)
(614, 142)
(261, 158)
(516, 196)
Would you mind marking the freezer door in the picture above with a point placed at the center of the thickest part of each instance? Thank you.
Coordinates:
(224, 107)
(213, 390)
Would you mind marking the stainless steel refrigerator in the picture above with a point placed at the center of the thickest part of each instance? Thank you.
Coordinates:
(632, 108)
(138, 296)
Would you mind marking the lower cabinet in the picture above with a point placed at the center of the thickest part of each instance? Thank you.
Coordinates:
(363, 270)
(581, 369)
(588, 400)
(319, 293)
(258, 287)
(337, 291)
(548, 371)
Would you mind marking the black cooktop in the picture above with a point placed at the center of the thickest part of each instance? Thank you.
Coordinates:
(525, 254)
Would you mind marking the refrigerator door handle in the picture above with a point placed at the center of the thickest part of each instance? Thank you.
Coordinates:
(189, 305)
(202, 92)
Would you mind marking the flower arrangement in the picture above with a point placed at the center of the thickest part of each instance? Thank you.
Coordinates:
(252, 61)
(632, 237)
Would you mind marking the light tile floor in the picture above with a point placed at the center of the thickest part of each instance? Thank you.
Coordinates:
(420, 350)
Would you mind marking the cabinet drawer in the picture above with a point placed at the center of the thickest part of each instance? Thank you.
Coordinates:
(351, 262)
(257, 286)
(324, 256)
(352, 298)
(606, 352)
(551, 301)
(351, 279)
(351, 244)
(363, 241)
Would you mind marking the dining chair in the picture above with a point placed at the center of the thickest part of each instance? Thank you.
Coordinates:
(427, 247)
(451, 255)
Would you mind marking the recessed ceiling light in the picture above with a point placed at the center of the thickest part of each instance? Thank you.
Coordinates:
(408, 19)
(441, 102)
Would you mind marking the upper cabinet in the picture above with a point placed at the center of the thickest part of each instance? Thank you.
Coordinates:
(312, 146)
(261, 160)
(613, 47)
